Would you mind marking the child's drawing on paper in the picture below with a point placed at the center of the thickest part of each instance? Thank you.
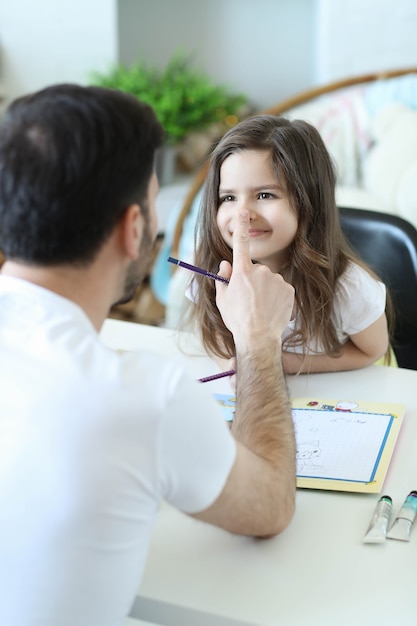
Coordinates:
(338, 441)
(307, 451)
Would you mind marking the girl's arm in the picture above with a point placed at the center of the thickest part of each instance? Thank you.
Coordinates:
(360, 350)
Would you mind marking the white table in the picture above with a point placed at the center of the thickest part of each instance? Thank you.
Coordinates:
(181, 346)
(318, 572)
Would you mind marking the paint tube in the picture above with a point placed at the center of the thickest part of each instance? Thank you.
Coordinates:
(377, 530)
(401, 527)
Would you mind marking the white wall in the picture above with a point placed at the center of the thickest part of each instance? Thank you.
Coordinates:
(269, 49)
(48, 41)
(260, 47)
(365, 36)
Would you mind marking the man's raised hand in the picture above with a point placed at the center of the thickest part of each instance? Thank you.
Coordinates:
(256, 301)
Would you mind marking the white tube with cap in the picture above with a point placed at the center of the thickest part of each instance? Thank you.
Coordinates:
(401, 527)
(377, 529)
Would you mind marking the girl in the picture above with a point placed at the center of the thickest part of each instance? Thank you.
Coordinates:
(281, 172)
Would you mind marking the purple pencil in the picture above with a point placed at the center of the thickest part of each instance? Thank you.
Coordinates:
(198, 270)
(207, 379)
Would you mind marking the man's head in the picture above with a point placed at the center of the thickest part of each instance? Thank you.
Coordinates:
(72, 160)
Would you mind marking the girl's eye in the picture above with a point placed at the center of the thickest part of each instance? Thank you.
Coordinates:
(265, 195)
(226, 199)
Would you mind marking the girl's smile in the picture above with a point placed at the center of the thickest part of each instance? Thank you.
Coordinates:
(256, 232)
(247, 181)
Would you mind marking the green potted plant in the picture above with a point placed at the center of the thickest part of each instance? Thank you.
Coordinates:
(184, 99)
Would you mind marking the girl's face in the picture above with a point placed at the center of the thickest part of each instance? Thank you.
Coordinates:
(247, 181)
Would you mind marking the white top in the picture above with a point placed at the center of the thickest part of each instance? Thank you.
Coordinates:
(358, 302)
(90, 442)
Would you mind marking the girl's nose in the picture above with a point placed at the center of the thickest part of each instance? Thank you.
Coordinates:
(249, 206)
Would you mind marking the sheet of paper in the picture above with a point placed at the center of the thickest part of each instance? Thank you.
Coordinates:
(341, 444)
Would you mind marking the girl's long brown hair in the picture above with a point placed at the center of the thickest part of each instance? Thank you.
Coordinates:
(317, 257)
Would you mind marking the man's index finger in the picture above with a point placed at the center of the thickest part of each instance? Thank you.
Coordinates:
(241, 255)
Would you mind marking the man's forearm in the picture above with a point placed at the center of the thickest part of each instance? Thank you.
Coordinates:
(263, 421)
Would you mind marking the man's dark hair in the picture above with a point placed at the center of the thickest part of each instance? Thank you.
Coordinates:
(72, 159)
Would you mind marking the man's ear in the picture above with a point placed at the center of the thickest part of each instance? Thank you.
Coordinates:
(132, 230)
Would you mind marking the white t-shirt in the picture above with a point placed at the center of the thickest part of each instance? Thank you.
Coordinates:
(358, 302)
(90, 442)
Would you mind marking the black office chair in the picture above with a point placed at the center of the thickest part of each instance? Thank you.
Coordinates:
(388, 244)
